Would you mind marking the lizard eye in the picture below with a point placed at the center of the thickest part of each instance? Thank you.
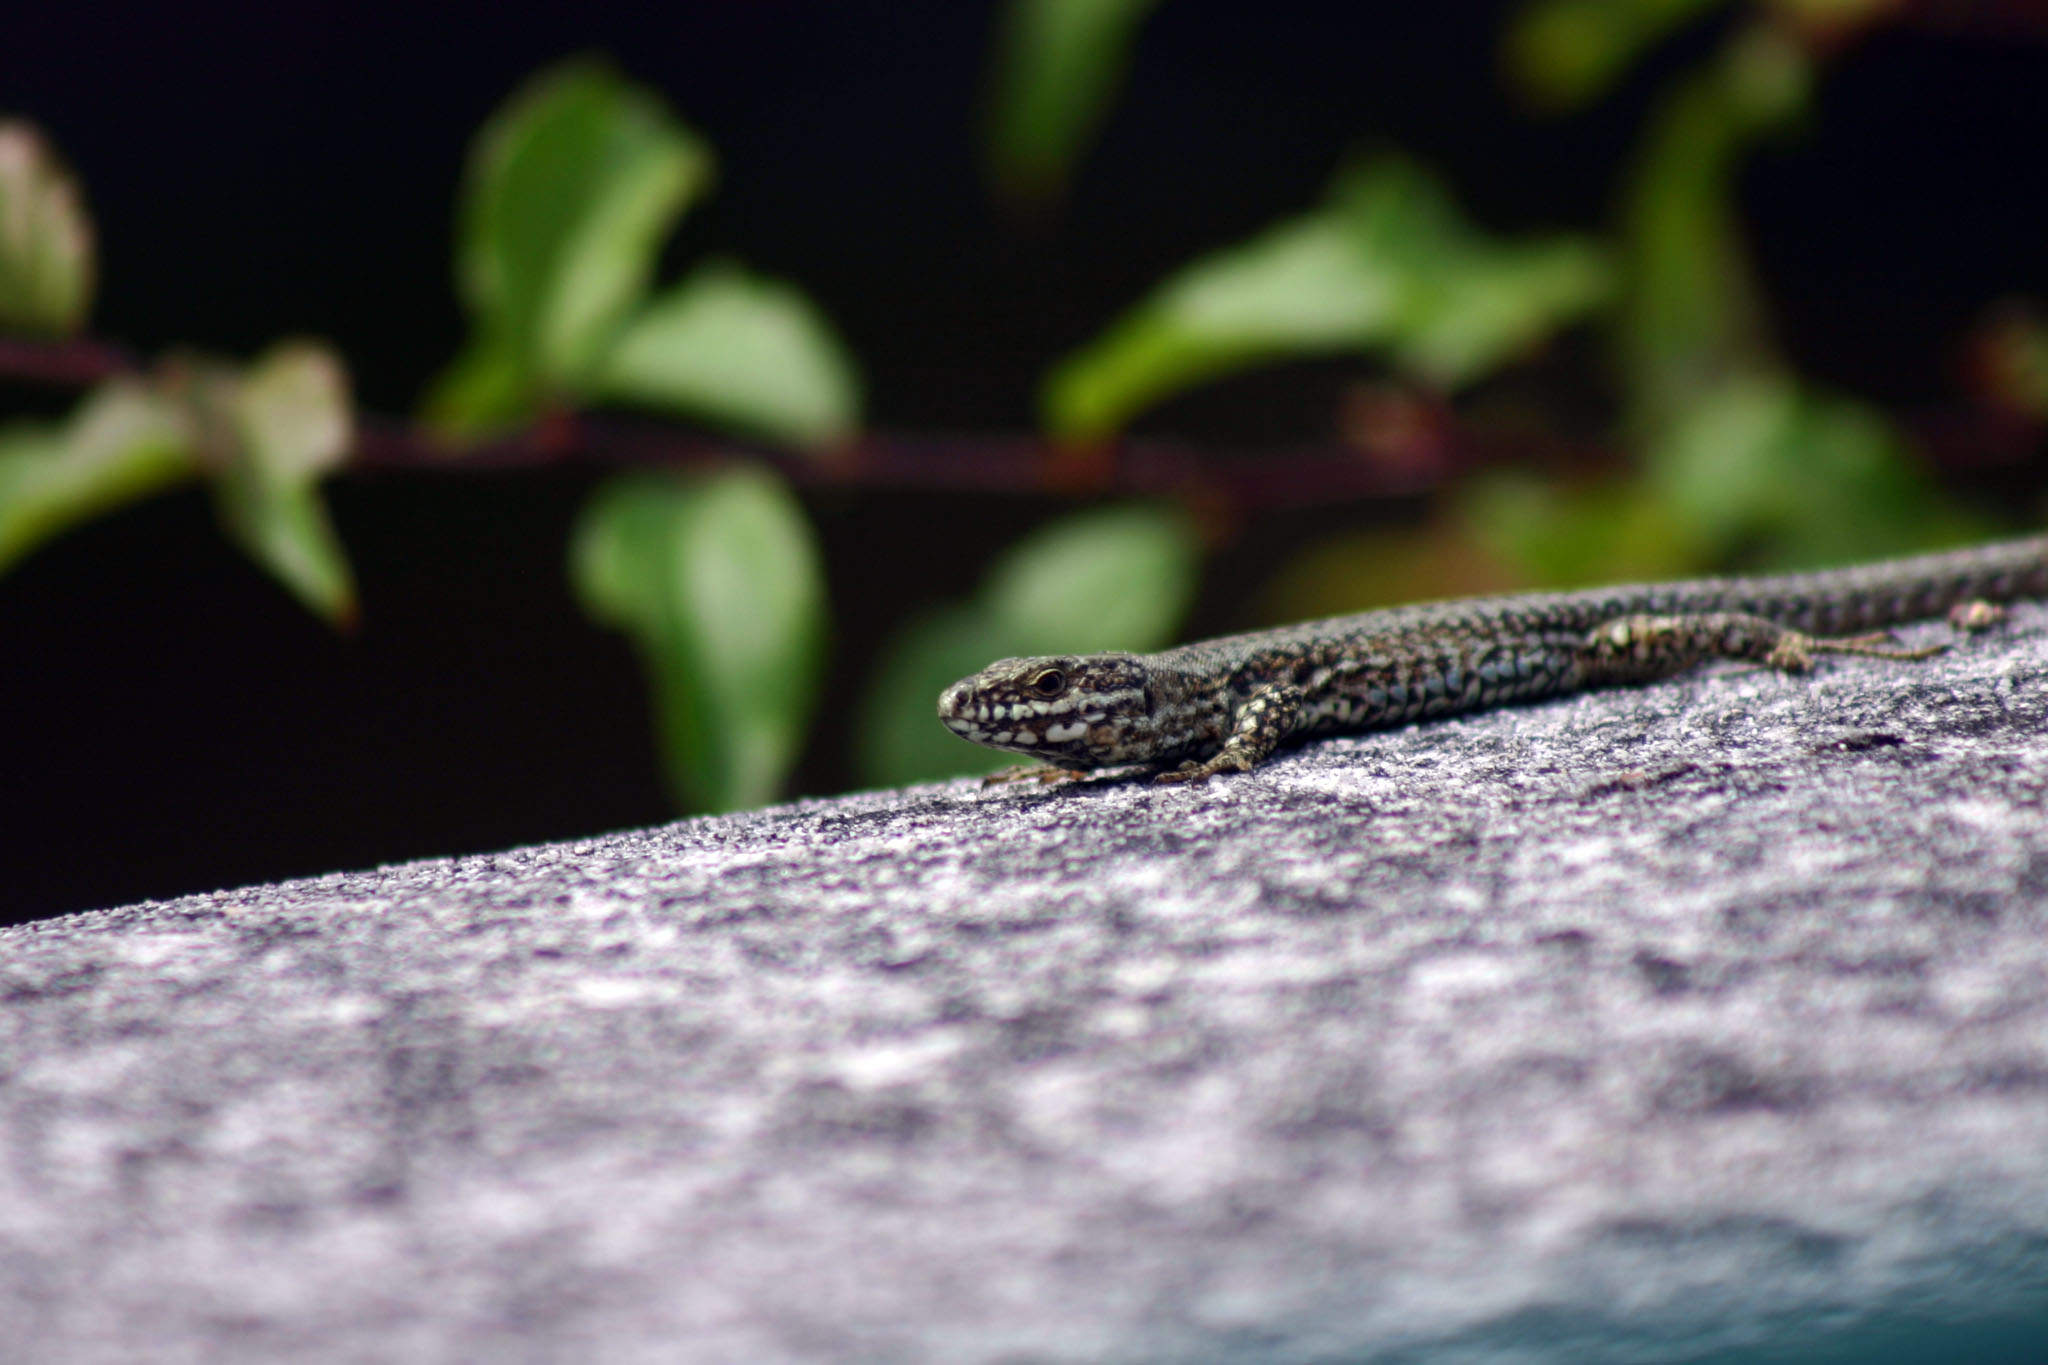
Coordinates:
(1050, 683)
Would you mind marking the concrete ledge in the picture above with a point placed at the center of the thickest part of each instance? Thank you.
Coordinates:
(1650, 1025)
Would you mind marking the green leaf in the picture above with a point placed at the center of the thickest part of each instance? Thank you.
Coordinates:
(1354, 571)
(744, 351)
(1758, 473)
(294, 411)
(1387, 263)
(1112, 578)
(1109, 578)
(570, 191)
(290, 422)
(484, 389)
(1565, 53)
(46, 247)
(899, 739)
(717, 580)
(1789, 478)
(1058, 63)
(1692, 317)
(123, 443)
(1302, 288)
(1466, 320)
(1564, 536)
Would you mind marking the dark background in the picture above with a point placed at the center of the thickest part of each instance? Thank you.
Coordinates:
(170, 721)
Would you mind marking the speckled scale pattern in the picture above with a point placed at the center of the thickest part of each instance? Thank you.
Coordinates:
(1223, 704)
(1411, 662)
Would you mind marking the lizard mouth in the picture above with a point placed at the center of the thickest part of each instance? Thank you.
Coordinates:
(1014, 728)
(954, 713)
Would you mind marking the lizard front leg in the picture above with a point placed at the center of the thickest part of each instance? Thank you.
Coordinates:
(1262, 722)
(1645, 648)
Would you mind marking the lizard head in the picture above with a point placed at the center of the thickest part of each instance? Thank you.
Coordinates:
(1077, 711)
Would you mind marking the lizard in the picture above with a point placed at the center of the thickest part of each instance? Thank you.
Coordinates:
(1196, 710)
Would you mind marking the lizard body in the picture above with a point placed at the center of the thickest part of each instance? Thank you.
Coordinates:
(1224, 704)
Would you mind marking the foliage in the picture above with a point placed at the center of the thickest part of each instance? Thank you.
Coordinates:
(575, 186)
(1692, 318)
(45, 239)
(123, 443)
(745, 352)
(1566, 53)
(1057, 65)
(718, 581)
(572, 188)
(1741, 460)
(270, 433)
(1387, 264)
(265, 435)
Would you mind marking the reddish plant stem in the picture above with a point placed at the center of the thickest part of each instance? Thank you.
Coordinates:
(1249, 479)
(1244, 479)
(73, 364)
(1425, 450)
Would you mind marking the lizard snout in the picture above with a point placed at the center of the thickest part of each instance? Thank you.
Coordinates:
(953, 703)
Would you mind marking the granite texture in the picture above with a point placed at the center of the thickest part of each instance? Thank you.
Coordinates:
(1704, 1021)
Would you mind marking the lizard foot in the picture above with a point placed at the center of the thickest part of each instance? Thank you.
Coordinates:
(1196, 770)
(1879, 646)
(1042, 773)
(1794, 651)
(1976, 615)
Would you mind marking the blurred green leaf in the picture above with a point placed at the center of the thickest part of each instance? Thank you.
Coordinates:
(46, 256)
(570, 190)
(266, 436)
(1464, 302)
(1759, 474)
(1565, 53)
(294, 411)
(1785, 477)
(1387, 263)
(717, 579)
(1692, 317)
(1565, 536)
(748, 352)
(1107, 578)
(485, 387)
(1302, 288)
(1472, 316)
(1058, 63)
(1354, 571)
(291, 424)
(1111, 578)
(899, 739)
(124, 442)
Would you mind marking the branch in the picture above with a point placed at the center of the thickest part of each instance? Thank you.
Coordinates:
(1405, 443)
(1408, 444)
(73, 364)
(1247, 479)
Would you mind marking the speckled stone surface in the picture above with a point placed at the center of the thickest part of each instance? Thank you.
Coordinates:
(1706, 1021)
